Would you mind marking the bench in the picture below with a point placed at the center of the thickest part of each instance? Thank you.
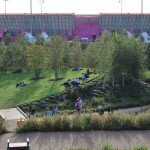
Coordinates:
(18, 146)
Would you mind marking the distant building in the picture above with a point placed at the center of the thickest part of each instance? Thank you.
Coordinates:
(87, 27)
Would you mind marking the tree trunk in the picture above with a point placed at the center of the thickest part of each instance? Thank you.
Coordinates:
(37, 74)
(56, 73)
(113, 82)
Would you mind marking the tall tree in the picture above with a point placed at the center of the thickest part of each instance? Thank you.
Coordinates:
(128, 58)
(3, 58)
(19, 57)
(55, 49)
(36, 58)
(76, 53)
(91, 56)
(104, 56)
(66, 54)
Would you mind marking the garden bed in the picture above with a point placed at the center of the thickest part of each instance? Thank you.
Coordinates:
(85, 122)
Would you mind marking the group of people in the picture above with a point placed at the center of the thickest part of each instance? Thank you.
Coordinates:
(48, 112)
(76, 81)
(21, 84)
(101, 110)
(51, 112)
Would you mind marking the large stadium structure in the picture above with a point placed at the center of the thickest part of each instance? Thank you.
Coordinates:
(71, 25)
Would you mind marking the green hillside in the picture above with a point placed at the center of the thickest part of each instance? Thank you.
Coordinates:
(11, 96)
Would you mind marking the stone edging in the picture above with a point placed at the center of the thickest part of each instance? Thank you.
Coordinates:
(25, 115)
(2, 117)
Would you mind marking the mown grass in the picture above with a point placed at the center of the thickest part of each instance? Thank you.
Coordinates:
(85, 122)
(35, 89)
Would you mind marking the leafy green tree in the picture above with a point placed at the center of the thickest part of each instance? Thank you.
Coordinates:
(55, 49)
(91, 56)
(36, 58)
(128, 58)
(3, 58)
(19, 57)
(104, 55)
(66, 54)
(76, 54)
(148, 56)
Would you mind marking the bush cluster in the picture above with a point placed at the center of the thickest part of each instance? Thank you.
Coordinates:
(2, 127)
(85, 122)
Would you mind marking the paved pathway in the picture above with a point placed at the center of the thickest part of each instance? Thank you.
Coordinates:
(89, 139)
(11, 116)
(133, 110)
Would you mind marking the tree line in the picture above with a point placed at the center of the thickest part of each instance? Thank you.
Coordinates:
(114, 56)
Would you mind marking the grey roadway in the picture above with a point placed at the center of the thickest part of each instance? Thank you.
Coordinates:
(90, 139)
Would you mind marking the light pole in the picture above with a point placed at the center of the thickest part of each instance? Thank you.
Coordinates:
(41, 3)
(30, 6)
(5, 6)
(141, 16)
(120, 1)
(31, 15)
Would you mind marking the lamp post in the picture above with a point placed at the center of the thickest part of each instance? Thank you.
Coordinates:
(5, 6)
(120, 1)
(141, 16)
(31, 15)
(30, 6)
(41, 7)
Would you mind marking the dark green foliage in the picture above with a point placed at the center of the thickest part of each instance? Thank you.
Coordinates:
(128, 58)
(148, 56)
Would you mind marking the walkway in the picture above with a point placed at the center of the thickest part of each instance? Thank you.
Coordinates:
(133, 109)
(11, 116)
(90, 139)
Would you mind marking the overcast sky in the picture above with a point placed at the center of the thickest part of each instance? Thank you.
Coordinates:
(75, 6)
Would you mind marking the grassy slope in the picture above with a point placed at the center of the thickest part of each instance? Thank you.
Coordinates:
(11, 96)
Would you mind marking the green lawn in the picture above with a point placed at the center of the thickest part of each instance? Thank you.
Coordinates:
(11, 96)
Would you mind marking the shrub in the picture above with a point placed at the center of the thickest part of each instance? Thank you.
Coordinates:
(142, 120)
(46, 124)
(2, 126)
(30, 125)
(65, 123)
(98, 101)
(78, 123)
(84, 122)
(97, 122)
(119, 121)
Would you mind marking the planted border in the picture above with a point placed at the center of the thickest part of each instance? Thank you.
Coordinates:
(85, 122)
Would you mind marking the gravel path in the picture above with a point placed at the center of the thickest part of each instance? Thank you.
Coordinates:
(91, 139)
